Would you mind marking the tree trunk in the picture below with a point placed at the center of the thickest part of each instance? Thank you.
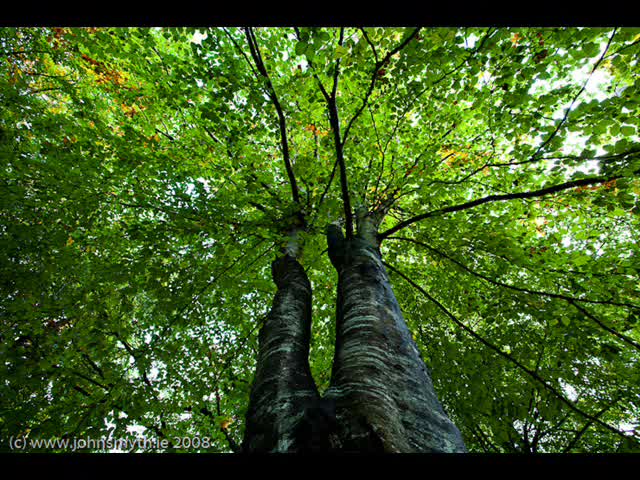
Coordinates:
(383, 395)
(381, 398)
(283, 389)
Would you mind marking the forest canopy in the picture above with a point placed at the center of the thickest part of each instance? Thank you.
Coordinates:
(148, 177)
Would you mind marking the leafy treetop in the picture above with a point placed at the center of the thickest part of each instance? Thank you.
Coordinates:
(150, 175)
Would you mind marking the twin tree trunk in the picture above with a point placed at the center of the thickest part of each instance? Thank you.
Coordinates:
(381, 398)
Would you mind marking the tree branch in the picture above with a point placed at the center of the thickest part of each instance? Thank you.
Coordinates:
(344, 182)
(323, 90)
(573, 101)
(374, 77)
(521, 289)
(336, 72)
(588, 424)
(508, 357)
(282, 123)
(498, 198)
(619, 335)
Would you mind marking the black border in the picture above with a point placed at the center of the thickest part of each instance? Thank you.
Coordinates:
(445, 13)
(414, 465)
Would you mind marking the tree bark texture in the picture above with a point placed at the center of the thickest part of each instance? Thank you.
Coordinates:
(283, 391)
(382, 393)
(381, 398)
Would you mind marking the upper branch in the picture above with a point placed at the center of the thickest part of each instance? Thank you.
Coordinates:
(336, 72)
(621, 336)
(575, 98)
(374, 76)
(284, 144)
(528, 291)
(498, 198)
(323, 90)
(536, 155)
(334, 120)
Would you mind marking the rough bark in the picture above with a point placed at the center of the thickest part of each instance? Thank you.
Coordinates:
(381, 392)
(283, 396)
(381, 398)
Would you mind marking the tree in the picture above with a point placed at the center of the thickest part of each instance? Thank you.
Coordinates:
(466, 198)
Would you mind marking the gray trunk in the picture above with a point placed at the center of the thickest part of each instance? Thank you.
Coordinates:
(383, 395)
(283, 391)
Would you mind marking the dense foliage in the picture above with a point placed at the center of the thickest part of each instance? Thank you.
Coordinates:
(144, 192)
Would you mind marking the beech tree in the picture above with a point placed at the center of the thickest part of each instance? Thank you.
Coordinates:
(321, 239)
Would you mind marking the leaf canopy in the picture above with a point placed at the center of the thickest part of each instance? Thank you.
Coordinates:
(146, 188)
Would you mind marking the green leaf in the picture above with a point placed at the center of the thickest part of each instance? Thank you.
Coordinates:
(340, 51)
(171, 168)
(581, 259)
(627, 130)
(591, 49)
(301, 48)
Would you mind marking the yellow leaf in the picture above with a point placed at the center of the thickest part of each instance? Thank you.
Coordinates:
(225, 423)
(70, 241)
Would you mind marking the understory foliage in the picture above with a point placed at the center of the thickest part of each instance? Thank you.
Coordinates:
(145, 190)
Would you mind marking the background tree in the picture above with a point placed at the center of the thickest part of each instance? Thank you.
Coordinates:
(147, 184)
